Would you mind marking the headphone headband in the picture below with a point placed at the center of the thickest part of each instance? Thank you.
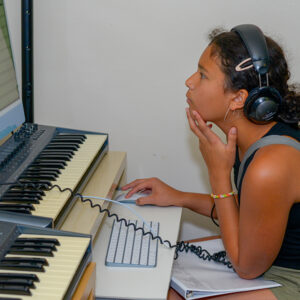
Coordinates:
(263, 103)
(255, 43)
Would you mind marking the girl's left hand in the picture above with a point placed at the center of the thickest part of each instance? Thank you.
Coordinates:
(219, 157)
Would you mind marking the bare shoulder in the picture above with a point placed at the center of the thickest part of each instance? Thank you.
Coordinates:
(276, 168)
(276, 158)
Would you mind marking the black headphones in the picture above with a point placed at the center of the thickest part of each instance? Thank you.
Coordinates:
(263, 102)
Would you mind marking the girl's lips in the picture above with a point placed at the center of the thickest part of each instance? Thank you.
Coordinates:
(188, 101)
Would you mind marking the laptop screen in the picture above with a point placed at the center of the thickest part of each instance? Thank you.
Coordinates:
(11, 107)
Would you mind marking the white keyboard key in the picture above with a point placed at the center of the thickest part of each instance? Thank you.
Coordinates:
(113, 242)
(137, 244)
(153, 245)
(121, 243)
(145, 250)
(129, 244)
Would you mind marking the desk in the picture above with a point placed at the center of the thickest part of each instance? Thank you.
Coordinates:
(123, 283)
(137, 283)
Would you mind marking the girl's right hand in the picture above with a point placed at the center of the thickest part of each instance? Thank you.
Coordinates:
(161, 193)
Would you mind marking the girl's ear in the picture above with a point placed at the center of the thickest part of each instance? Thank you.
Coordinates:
(239, 99)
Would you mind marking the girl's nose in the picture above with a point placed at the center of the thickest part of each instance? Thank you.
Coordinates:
(189, 82)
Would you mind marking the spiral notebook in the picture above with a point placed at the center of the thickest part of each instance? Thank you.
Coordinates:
(195, 278)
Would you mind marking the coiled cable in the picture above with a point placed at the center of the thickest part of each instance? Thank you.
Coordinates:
(180, 247)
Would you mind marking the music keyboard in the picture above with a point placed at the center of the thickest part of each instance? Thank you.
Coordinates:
(29, 270)
(47, 155)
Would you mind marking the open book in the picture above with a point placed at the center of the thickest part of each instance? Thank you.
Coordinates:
(195, 278)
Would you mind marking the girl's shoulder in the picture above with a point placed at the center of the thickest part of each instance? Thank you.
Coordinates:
(275, 167)
(277, 159)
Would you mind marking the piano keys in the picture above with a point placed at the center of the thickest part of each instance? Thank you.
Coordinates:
(41, 263)
(47, 156)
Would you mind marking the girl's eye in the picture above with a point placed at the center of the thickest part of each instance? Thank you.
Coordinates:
(202, 76)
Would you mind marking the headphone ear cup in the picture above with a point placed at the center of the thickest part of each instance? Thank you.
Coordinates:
(262, 104)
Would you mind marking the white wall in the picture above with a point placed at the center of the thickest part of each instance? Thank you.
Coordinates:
(119, 66)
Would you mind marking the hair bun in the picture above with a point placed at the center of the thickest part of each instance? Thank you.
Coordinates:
(290, 111)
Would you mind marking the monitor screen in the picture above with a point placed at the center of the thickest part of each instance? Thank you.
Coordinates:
(11, 106)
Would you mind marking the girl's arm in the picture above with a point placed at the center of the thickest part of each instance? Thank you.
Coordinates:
(164, 195)
(252, 234)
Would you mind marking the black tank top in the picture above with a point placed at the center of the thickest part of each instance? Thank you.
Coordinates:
(289, 254)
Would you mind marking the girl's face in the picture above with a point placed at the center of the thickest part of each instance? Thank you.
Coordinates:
(206, 93)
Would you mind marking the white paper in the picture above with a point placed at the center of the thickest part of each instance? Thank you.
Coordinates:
(199, 278)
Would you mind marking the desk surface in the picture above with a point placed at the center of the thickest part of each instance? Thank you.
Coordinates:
(123, 283)
(137, 283)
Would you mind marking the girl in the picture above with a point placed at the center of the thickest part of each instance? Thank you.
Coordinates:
(260, 226)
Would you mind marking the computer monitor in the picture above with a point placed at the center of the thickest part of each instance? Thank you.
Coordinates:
(11, 106)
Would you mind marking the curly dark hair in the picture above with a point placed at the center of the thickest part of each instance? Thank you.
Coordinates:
(229, 48)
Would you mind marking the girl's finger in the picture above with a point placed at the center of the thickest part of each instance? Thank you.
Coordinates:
(132, 184)
(140, 187)
(145, 200)
(205, 129)
(231, 138)
(194, 127)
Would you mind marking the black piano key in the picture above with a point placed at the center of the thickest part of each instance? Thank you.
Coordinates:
(45, 171)
(1, 298)
(41, 172)
(17, 187)
(63, 144)
(32, 277)
(25, 192)
(38, 240)
(20, 196)
(48, 164)
(65, 135)
(17, 210)
(58, 151)
(27, 206)
(38, 161)
(22, 266)
(25, 260)
(68, 139)
(36, 245)
(38, 177)
(13, 281)
(64, 147)
(30, 251)
(14, 289)
(12, 194)
(25, 200)
(33, 260)
(42, 182)
(65, 157)
(38, 168)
